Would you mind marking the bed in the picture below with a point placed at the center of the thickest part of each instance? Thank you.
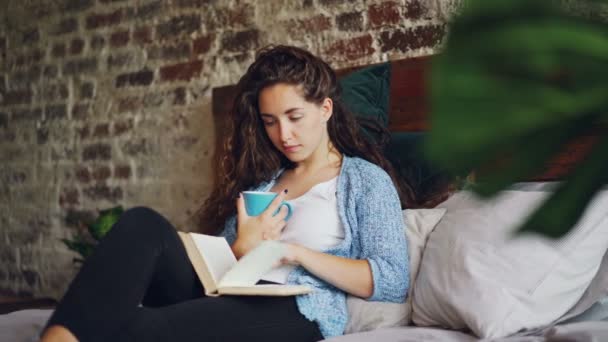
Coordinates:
(402, 85)
(395, 93)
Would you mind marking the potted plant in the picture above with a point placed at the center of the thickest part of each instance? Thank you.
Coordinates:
(84, 244)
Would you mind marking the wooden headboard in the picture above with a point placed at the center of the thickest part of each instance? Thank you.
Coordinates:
(409, 111)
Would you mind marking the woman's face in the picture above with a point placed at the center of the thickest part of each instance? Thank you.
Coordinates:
(295, 126)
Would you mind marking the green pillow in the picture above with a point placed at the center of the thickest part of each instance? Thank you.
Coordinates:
(366, 92)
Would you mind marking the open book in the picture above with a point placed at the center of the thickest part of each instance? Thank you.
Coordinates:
(221, 274)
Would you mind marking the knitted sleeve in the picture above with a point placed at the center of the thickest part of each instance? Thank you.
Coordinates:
(382, 236)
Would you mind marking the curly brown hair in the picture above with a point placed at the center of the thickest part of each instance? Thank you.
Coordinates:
(247, 157)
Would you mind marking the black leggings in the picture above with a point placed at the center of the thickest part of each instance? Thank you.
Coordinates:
(143, 261)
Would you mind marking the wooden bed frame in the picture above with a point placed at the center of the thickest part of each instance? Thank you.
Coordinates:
(409, 111)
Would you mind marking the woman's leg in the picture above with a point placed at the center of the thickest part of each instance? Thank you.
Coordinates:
(226, 319)
(141, 260)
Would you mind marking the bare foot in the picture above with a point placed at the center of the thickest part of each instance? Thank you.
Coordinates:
(57, 333)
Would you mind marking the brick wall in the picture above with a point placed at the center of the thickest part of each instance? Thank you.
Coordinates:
(106, 102)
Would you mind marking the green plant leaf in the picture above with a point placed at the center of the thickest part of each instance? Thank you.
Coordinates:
(517, 80)
(104, 222)
(564, 208)
(85, 249)
(527, 155)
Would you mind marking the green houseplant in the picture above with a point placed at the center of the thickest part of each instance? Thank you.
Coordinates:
(84, 244)
(516, 81)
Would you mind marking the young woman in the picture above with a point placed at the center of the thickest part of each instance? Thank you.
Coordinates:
(289, 133)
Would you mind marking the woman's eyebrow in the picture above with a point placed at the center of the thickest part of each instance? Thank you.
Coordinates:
(289, 111)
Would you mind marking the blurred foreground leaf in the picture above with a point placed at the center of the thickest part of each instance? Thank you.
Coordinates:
(517, 81)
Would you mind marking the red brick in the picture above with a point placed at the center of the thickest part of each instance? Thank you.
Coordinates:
(54, 92)
(120, 38)
(76, 46)
(128, 104)
(94, 21)
(87, 90)
(78, 6)
(36, 56)
(121, 127)
(97, 152)
(69, 197)
(7, 136)
(23, 78)
(179, 51)
(83, 132)
(122, 171)
(16, 97)
(121, 60)
(181, 71)
(58, 50)
(352, 48)
(176, 26)
(20, 60)
(241, 41)
(101, 173)
(384, 14)
(81, 111)
(50, 71)
(142, 35)
(150, 10)
(139, 78)
(3, 120)
(192, 3)
(30, 58)
(55, 112)
(412, 38)
(31, 114)
(240, 16)
(202, 44)
(314, 24)
(83, 175)
(103, 192)
(101, 130)
(80, 66)
(67, 25)
(414, 10)
(352, 21)
(332, 2)
(31, 37)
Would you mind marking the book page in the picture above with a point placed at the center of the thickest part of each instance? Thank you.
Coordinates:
(252, 266)
(266, 290)
(216, 253)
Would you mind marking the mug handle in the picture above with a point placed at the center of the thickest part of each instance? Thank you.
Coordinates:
(289, 210)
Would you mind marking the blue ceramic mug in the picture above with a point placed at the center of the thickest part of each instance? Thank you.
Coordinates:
(257, 201)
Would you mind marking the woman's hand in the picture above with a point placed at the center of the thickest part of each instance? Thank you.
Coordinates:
(292, 254)
(251, 230)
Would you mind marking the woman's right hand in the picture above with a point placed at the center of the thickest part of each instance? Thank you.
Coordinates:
(252, 230)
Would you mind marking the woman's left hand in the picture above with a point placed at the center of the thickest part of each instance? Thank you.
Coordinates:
(292, 254)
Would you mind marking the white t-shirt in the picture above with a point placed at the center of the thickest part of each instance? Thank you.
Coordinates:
(314, 224)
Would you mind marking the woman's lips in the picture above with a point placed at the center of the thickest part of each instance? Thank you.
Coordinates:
(291, 149)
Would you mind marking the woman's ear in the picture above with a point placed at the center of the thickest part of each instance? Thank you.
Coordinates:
(327, 109)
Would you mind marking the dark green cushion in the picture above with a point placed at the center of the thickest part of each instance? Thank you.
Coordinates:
(405, 153)
(366, 92)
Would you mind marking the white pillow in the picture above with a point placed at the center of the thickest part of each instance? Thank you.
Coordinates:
(365, 315)
(475, 274)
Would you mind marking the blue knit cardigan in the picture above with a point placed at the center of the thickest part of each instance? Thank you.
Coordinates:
(370, 212)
